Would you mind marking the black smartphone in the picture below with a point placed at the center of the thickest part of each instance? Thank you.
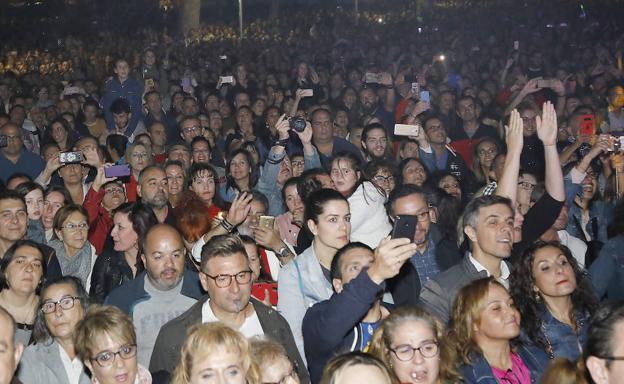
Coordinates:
(404, 226)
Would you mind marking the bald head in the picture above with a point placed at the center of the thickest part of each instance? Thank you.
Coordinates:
(163, 256)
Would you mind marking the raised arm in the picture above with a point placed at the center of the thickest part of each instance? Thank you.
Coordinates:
(547, 133)
(508, 183)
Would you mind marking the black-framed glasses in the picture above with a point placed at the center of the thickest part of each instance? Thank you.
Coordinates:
(65, 303)
(611, 358)
(225, 280)
(107, 358)
(526, 185)
(406, 352)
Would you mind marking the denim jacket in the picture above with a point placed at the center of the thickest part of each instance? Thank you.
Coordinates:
(564, 342)
(607, 271)
(480, 371)
(600, 212)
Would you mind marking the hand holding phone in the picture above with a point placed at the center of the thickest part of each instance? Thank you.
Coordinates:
(227, 79)
(404, 227)
(121, 170)
(406, 130)
(588, 125)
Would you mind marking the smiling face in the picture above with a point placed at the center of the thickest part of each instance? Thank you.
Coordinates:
(493, 235)
(419, 369)
(223, 366)
(498, 319)
(13, 219)
(240, 167)
(333, 226)
(553, 274)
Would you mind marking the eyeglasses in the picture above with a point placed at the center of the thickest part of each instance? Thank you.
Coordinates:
(285, 379)
(75, 227)
(224, 280)
(194, 128)
(113, 190)
(142, 155)
(406, 352)
(107, 358)
(65, 303)
(526, 185)
(297, 163)
(381, 179)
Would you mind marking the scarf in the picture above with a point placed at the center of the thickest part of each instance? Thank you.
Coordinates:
(78, 265)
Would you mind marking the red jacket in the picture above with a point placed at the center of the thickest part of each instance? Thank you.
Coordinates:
(100, 221)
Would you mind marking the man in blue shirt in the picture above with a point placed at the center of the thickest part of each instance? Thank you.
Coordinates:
(15, 158)
(122, 86)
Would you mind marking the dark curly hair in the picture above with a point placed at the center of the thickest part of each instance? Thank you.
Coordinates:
(521, 289)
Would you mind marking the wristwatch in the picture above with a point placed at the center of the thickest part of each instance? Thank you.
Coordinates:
(283, 252)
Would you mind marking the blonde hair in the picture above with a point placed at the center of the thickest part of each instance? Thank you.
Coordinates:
(385, 334)
(338, 364)
(204, 339)
(564, 371)
(102, 320)
(469, 303)
(265, 353)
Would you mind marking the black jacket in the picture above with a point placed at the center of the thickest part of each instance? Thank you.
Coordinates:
(406, 286)
(169, 342)
(109, 272)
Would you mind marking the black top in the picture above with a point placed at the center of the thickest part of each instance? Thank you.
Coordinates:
(110, 271)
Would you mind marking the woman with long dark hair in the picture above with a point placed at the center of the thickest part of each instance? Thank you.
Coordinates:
(555, 298)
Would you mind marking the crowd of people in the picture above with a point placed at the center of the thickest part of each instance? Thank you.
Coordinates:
(330, 200)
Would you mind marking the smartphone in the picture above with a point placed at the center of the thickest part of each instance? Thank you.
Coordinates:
(117, 171)
(516, 45)
(307, 92)
(371, 78)
(223, 57)
(544, 83)
(3, 141)
(406, 130)
(415, 88)
(404, 226)
(425, 96)
(257, 291)
(70, 157)
(227, 79)
(588, 125)
(266, 221)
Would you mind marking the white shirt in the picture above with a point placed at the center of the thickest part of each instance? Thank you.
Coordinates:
(504, 270)
(73, 368)
(577, 246)
(250, 328)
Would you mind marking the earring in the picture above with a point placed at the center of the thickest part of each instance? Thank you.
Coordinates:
(538, 298)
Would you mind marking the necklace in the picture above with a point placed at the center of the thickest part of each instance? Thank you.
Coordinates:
(15, 310)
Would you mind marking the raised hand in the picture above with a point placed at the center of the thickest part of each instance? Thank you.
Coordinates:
(240, 208)
(515, 136)
(306, 135)
(547, 125)
(100, 178)
(282, 127)
(390, 256)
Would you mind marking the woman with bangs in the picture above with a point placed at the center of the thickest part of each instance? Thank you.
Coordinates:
(410, 343)
(484, 337)
(369, 221)
(483, 155)
(215, 352)
(203, 182)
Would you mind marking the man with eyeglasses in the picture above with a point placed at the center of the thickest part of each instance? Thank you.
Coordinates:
(190, 127)
(226, 276)
(14, 157)
(346, 321)
(604, 351)
(434, 253)
(162, 292)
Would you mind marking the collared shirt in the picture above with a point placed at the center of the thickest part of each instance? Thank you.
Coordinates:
(425, 263)
(504, 270)
(74, 368)
(250, 328)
